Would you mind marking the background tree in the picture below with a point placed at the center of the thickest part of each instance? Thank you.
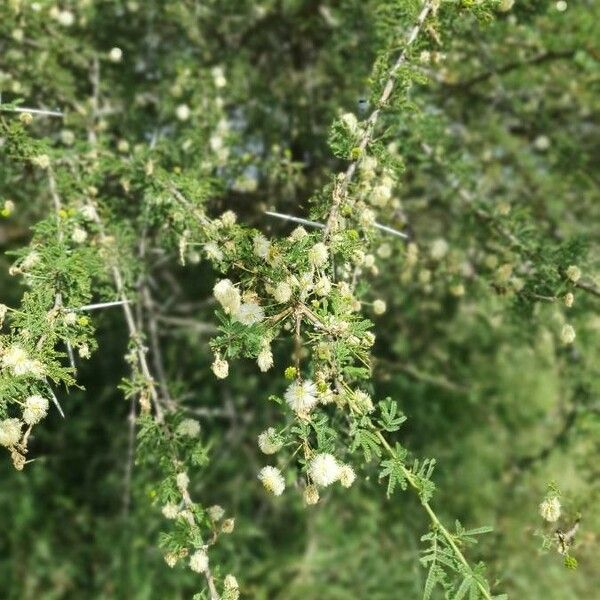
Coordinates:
(142, 143)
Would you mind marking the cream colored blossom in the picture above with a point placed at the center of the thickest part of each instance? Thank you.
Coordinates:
(318, 254)
(189, 428)
(550, 509)
(220, 368)
(311, 494)
(324, 469)
(301, 396)
(10, 432)
(347, 476)
(36, 408)
(269, 441)
(228, 296)
(574, 273)
(567, 334)
(272, 480)
(282, 292)
(250, 313)
(199, 561)
(265, 359)
(379, 307)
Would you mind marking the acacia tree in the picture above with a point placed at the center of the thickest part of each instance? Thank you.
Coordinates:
(227, 195)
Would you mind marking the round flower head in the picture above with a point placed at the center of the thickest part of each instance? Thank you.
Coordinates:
(379, 307)
(568, 299)
(228, 296)
(567, 334)
(323, 286)
(550, 509)
(182, 481)
(216, 512)
(298, 234)
(302, 396)
(318, 254)
(282, 292)
(574, 273)
(115, 55)
(79, 235)
(170, 511)
(250, 313)
(230, 582)
(272, 480)
(16, 359)
(324, 469)
(213, 252)
(199, 561)
(36, 408)
(228, 218)
(269, 441)
(189, 428)
(363, 401)
(350, 121)
(220, 368)
(347, 476)
(265, 359)
(261, 246)
(182, 112)
(171, 559)
(311, 494)
(10, 432)
(439, 249)
(381, 194)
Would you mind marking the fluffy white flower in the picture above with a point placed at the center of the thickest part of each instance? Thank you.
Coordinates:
(89, 213)
(10, 432)
(230, 582)
(189, 428)
(42, 161)
(550, 509)
(269, 441)
(228, 296)
(302, 396)
(65, 18)
(282, 292)
(567, 334)
(298, 234)
(67, 137)
(347, 476)
(379, 307)
(199, 561)
(228, 218)
(261, 246)
(265, 359)
(323, 286)
(574, 273)
(17, 360)
(170, 511)
(36, 408)
(3, 311)
(382, 193)
(79, 235)
(250, 313)
(115, 55)
(219, 77)
(363, 401)
(171, 559)
(182, 112)
(182, 481)
(324, 469)
(366, 218)
(220, 368)
(272, 480)
(216, 512)
(350, 121)
(439, 249)
(318, 254)
(213, 252)
(506, 5)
